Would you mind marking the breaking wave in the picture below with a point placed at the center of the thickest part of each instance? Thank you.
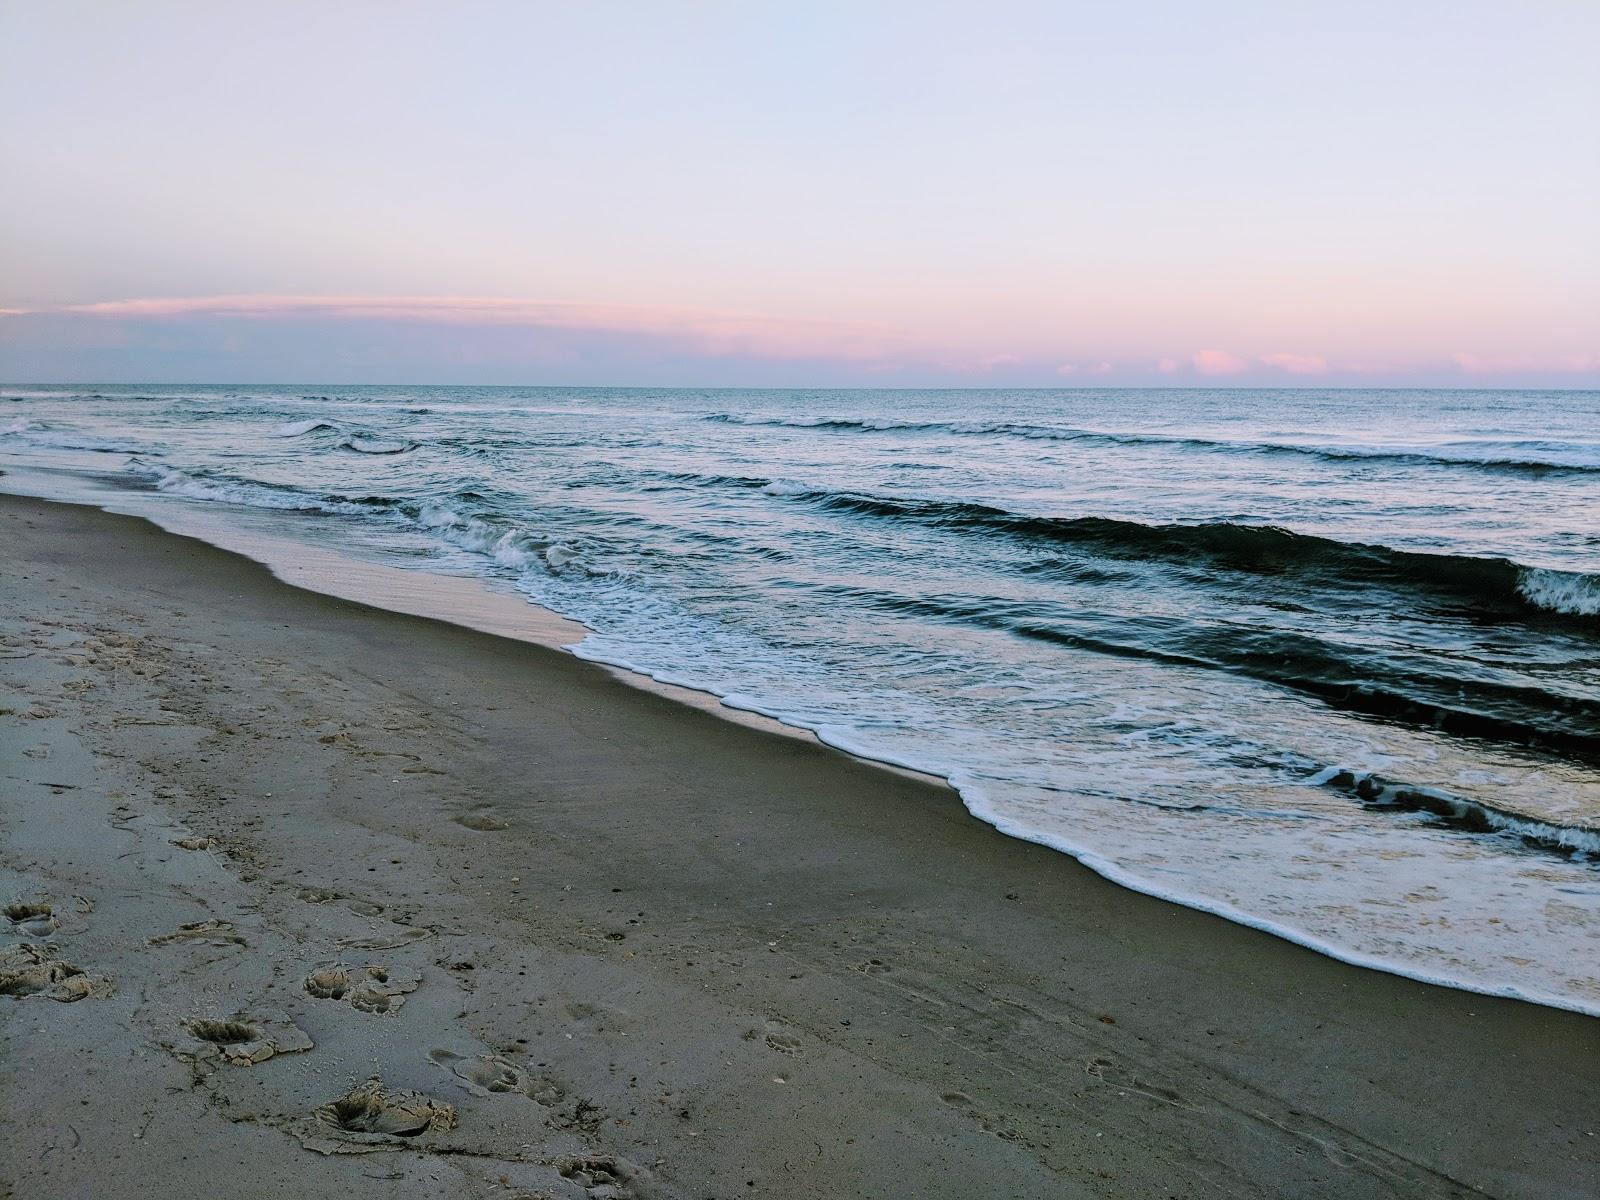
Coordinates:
(1495, 582)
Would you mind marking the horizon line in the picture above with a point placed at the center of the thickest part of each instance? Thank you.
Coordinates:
(725, 387)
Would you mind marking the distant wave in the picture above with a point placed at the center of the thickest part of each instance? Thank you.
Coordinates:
(700, 479)
(1532, 458)
(364, 444)
(872, 425)
(42, 438)
(300, 428)
(1258, 548)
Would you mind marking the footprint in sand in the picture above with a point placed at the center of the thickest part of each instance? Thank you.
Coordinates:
(483, 823)
(491, 1075)
(243, 1039)
(373, 988)
(32, 917)
(598, 1018)
(1108, 1071)
(602, 1172)
(206, 933)
(579, 1116)
(373, 1116)
(779, 1037)
(404, 937)
(483, 1074)
(26, 970)
(964, 1103)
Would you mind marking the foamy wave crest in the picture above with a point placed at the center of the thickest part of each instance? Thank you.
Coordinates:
(1473, 815)
(40, 437)
(223, 490)
(509, 547)
(506, 545)
(786, 487)
(181, 483)
(300, 428)
(1254, 548)
(1569, 592)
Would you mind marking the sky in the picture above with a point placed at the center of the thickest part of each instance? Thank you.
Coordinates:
(864, 193)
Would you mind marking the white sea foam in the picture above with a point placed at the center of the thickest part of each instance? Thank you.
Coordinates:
(230, 491)
(180, 483)
(1374, 789)
(786, 487)
(1570, 592)
(980, 805)
(512, 548)
(436, 517)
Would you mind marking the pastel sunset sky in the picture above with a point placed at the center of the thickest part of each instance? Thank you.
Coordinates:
(1246, 192)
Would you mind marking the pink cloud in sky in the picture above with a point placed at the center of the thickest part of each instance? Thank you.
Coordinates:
(1217, 362)
(1297, 364)
(1477, 364)
(998, 360)
(713, 333)
(739, 338)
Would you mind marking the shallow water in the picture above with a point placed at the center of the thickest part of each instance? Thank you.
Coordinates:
(1325, 662)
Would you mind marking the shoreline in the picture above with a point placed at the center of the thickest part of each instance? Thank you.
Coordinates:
(813, 951)
(477, 603)
(470, 602)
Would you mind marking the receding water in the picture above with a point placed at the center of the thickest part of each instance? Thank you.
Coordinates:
(1325, 662)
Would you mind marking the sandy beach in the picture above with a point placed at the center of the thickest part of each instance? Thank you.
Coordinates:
(263, 847)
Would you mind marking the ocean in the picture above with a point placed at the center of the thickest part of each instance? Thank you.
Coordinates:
(1323, 662)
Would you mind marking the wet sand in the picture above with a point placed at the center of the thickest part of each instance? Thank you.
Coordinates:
(263, 846)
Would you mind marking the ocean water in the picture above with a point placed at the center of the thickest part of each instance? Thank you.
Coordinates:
(1323, 662)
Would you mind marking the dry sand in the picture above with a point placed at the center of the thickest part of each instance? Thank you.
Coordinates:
(263, 847)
